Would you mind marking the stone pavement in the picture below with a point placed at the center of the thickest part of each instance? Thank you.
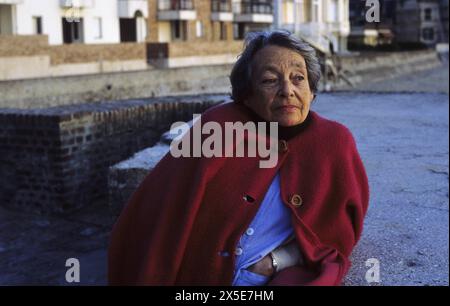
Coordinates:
(34, 249)
(403, 140)
(430, 80)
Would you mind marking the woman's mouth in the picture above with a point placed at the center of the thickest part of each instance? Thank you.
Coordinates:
(288, 108)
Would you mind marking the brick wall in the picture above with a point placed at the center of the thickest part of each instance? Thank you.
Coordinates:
(31, 159)
(196, 48)
(152, 21)
(83, 53)
(203, 8)
(181, 49)
(56, 160)
(23, 45)
(31, 45)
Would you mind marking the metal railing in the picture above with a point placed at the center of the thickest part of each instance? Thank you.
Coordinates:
(221, 6)
(175, 5)
(256, 7)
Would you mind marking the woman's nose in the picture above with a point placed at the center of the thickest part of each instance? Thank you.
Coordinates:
(286, 89)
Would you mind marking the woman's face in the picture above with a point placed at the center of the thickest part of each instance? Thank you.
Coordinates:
(280, 88)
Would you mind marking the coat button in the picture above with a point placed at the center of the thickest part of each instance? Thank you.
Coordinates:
(248, 198)
(282, 146)
(238, 251)
(296, 200)
(250, 231)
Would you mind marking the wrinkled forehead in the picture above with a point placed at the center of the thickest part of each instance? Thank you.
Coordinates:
(276, 58)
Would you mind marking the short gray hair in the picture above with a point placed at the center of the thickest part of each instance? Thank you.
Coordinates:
(241, 73)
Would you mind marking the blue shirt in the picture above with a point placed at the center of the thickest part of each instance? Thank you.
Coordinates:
(270, 227)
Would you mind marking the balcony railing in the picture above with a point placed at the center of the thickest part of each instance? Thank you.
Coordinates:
(76, 3)
(175, 5)
(218, 6)
(11, 1)
(256, 7)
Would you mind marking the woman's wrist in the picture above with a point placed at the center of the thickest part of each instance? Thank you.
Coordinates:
(286, 256)
(263, 267)
(281, 258)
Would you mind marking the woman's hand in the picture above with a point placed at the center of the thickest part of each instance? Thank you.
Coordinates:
(263, 267)
(287, 255)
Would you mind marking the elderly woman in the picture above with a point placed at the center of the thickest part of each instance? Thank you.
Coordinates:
(228, 221)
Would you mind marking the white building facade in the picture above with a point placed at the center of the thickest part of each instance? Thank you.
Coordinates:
(324, 23)
(76, 21)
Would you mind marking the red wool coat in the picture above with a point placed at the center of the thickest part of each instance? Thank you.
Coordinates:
(182, 225)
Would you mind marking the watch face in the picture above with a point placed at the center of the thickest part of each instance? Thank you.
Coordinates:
(274, 262)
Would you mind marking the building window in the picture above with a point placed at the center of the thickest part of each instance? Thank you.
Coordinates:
(37, 25)
(236, 31)
(223, 31)
(199, 28)
(239, 30)
(220, 6)
(72, 31)
(428, 14)
(428, 34)
(98, 29)
(179, 30)
(175, 5)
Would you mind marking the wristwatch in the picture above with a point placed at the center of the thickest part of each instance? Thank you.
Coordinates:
(274, 263)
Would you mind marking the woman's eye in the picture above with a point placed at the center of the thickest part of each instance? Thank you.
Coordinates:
(298, 78)
(269, 81)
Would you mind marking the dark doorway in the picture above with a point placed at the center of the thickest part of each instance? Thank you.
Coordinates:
(128, 29)
(73, 31)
